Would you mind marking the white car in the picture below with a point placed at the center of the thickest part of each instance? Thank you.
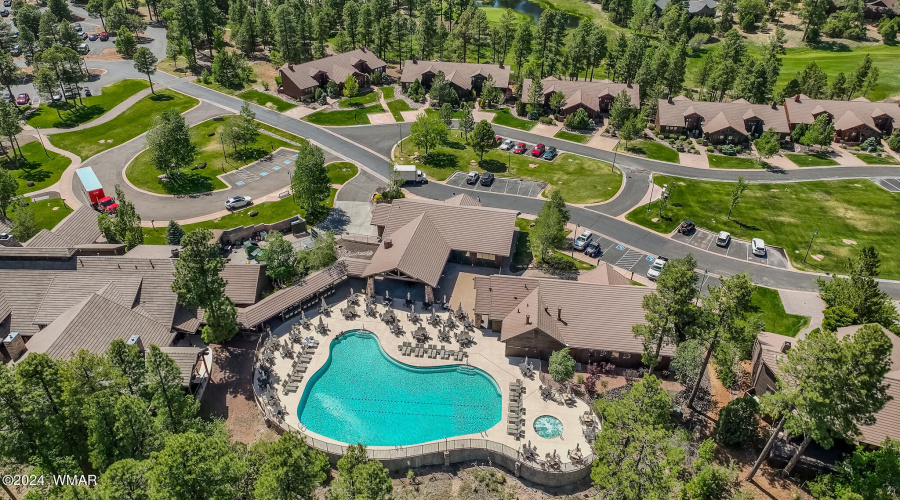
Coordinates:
(758, 247)
(656, 268)
(582, 240)
(723, 239)
(472, 178)
(237, 202)
(507, 145)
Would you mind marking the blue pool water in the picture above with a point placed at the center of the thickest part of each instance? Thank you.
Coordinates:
(362, 395)
(548, 427)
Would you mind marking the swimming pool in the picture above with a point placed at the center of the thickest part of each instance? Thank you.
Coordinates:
(362, 395)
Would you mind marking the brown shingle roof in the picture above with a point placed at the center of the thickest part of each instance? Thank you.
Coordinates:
(417, 250)
(380, 214)
(78, 228)
(459, 73)
(604, 274)
(847, 114)
(594, 316)
(242, 282)
(185, 358)
(464, 228)
(93, 324)
(277, 302)
(718, 115)
(462, 200)
(581, 92)
(337, 67)
(187, 319)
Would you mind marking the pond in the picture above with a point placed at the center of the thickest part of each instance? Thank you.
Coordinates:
(533, 9)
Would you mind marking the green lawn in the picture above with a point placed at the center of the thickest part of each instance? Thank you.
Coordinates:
(432, 111)
(47, 213)
(522, 257)
(786, 215)
(133, 122)
(35, 167)
(341, 171)
(268, 212)
(579, 179)
(571, 136)
(71, 115)
(810, 159)
(367, 96)
(343, 118)
(495, 13)
(885, 159)
(768, 302)
(264, 99)
(388, 92)
(650, 149)
(506, 119)
(397, 106)
(281, 133)
(722, 161)
(144, 175)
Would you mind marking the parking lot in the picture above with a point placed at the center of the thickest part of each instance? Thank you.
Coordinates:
(504, 185)
(892, 185)
(281, 161)
(738, 249)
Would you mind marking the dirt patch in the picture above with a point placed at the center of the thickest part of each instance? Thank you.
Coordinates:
(848, 242)
(265, 72)
(818, 257)
(774, 190)
(229, 394)
(108, 54)
(478, 481)
(655, 219)
(681, 183)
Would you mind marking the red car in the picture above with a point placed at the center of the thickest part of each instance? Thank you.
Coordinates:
(538, 150)
(23, 99)
(520, 148)
(104, 37)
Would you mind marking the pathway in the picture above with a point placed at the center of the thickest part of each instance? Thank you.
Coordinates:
(105, 117)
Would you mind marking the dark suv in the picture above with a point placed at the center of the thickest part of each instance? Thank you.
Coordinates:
(593, 249)
(487, 179)
(686, 227)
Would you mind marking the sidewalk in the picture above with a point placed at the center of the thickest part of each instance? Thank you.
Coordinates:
(105, 117)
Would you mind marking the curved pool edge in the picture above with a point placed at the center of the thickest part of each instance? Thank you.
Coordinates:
(310, 382)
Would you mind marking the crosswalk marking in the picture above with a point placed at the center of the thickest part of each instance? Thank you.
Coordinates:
(628, 260)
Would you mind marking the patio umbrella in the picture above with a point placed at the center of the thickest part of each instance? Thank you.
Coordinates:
(387, 295)
(351, 291)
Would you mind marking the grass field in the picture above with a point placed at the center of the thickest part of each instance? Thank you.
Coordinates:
(505, 118)
(35, 167)
(387, 92)
(868, 159)
(768, 302)
(144, 175)
(47, 213)
(579, 179)
(131, 123)
(264, 99)
(649, 149)
(786, 215)
(436, 112)
(268, 212)
(343, 118)
(810, 159)
(722, 161)
(397, 107)
(367, 96)
(71, 115)
(571, 136)
(341, 171)
(281, 133)
(522, 257)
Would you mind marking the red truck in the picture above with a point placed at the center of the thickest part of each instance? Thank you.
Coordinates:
(94, 191)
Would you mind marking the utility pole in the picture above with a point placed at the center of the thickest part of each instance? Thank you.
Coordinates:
(810, 244)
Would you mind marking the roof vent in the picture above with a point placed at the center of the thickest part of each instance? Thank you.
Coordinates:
(559, 313)
(797, 98)
(527, 319)
(135, 340)
(388, 243)
(786, 347)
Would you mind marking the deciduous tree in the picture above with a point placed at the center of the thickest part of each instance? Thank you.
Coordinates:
(428, 131)
(482, 138)
(197, 281)
(145, 62)
(292, 469)
(767, 145)
(562, 366)
(310, 184)
(280, 259)
(170, 145)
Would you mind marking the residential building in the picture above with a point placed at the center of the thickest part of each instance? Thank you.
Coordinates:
(595, 97)
(465, 78)
(770, 349)
(537, 316)
(735, 122)
(300, 81)
(881, 8)
(854, 121)
(701, 8)
(419, 236)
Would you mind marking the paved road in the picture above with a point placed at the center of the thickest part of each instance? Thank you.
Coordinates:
(370, 146)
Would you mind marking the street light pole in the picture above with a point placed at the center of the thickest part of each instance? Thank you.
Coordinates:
(651, 192)
(815, 233)
(508, 160)
(400, 128)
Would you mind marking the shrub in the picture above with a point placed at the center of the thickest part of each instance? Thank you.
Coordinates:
(738, 422)
(702, 25)
(253, 213)
(870, 144)
(265, 85)
(894, 140)
(682, 138)
(204, 76)
(698, 41)
(546, 120)
(738, 149)
(710, 149)
(332, 89)
(377, 78)
(278, 81)
(521, 108)
(727, 149)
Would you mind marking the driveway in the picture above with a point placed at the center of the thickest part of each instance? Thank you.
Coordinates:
(736, 248)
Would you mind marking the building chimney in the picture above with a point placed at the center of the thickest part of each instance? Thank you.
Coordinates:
(388, 243)
(527, 319)
(670, 100)
(786, 347)
(797, 98)
(291, 66)
(559, 313)
(135, 340)
(775, 105)
(14, 345)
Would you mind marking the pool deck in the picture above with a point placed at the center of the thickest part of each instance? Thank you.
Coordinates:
(486, 353)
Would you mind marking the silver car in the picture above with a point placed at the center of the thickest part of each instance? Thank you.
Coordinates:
(237, 202)
(507, 145)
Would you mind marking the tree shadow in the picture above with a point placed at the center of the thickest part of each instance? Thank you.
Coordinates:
(187, 183)
(161, 97)
(455, 145)
(491, 165)
(442, 160)
(830, 46)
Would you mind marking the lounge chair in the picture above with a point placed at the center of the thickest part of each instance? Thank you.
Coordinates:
(445, 354)
(407, 350)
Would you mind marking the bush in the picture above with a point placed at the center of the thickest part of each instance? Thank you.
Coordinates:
(738, 422)
(578, 120)
(698, 41)
(253, 213)
(377, 78)
(546, 120)
(332, 89)
(710, 149)
(705, 25)
(682, 138)
(870, 144)
(521, 108)
(727, 149)
(738, 150)
(894, 140)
